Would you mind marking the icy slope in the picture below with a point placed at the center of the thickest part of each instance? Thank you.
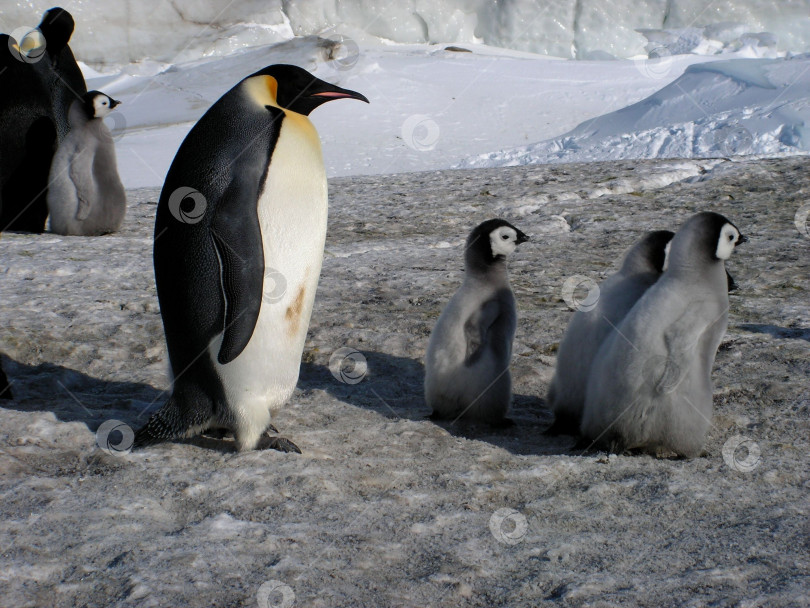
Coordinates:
(716, 109)
(430, 107)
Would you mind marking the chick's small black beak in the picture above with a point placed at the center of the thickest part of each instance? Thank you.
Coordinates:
(114, 102)
(522, 238)
(742, 239)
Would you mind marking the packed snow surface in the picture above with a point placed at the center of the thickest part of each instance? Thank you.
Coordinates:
(384, 507)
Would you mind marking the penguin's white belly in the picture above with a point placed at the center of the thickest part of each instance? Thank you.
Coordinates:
(292, 214)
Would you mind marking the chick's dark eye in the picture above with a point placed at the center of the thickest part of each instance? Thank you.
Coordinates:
(505, 236)
(730, 237)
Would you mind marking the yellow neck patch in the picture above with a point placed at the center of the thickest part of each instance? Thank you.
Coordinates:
(263, 90)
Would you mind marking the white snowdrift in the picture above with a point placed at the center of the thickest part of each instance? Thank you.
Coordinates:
(430, 108)
(715, 109)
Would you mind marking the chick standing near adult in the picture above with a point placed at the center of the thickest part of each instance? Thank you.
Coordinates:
(470, 348)
(86, 196)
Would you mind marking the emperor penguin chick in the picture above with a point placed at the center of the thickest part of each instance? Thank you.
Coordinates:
(643, 264)
(238, 247)
(650, 384)
(85, 194)
(470, 348)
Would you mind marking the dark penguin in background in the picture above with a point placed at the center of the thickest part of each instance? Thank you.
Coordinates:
(65, 81)
(239, 238)
(38, 85)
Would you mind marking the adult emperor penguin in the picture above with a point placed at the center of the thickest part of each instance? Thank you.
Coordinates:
(27, 139)
(643, 264)
(470, 348)
(85, 194)
(239, 238)
(650, 385)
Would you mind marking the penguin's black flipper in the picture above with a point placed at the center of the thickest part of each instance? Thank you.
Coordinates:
(732, 284)
(238, 238)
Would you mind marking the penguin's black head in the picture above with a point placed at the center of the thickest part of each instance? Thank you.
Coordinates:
(491, 242)
(717, 234)
(57, 26)
(97, 104)
(649, 254)
(707, 237)
(293, 88)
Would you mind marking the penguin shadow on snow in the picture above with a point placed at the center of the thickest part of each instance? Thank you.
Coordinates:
(789, 333)
(384, 383)
(393, 387)
(74, 396)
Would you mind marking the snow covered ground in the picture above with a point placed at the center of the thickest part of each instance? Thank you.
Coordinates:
(384, 507)
(437, 108)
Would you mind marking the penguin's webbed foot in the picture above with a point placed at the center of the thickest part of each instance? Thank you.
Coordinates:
(282, 444)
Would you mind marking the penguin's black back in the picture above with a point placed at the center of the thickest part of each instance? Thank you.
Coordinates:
(27, 141)
(225, 158)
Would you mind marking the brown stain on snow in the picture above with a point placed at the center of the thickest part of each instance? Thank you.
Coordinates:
(293, 313)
